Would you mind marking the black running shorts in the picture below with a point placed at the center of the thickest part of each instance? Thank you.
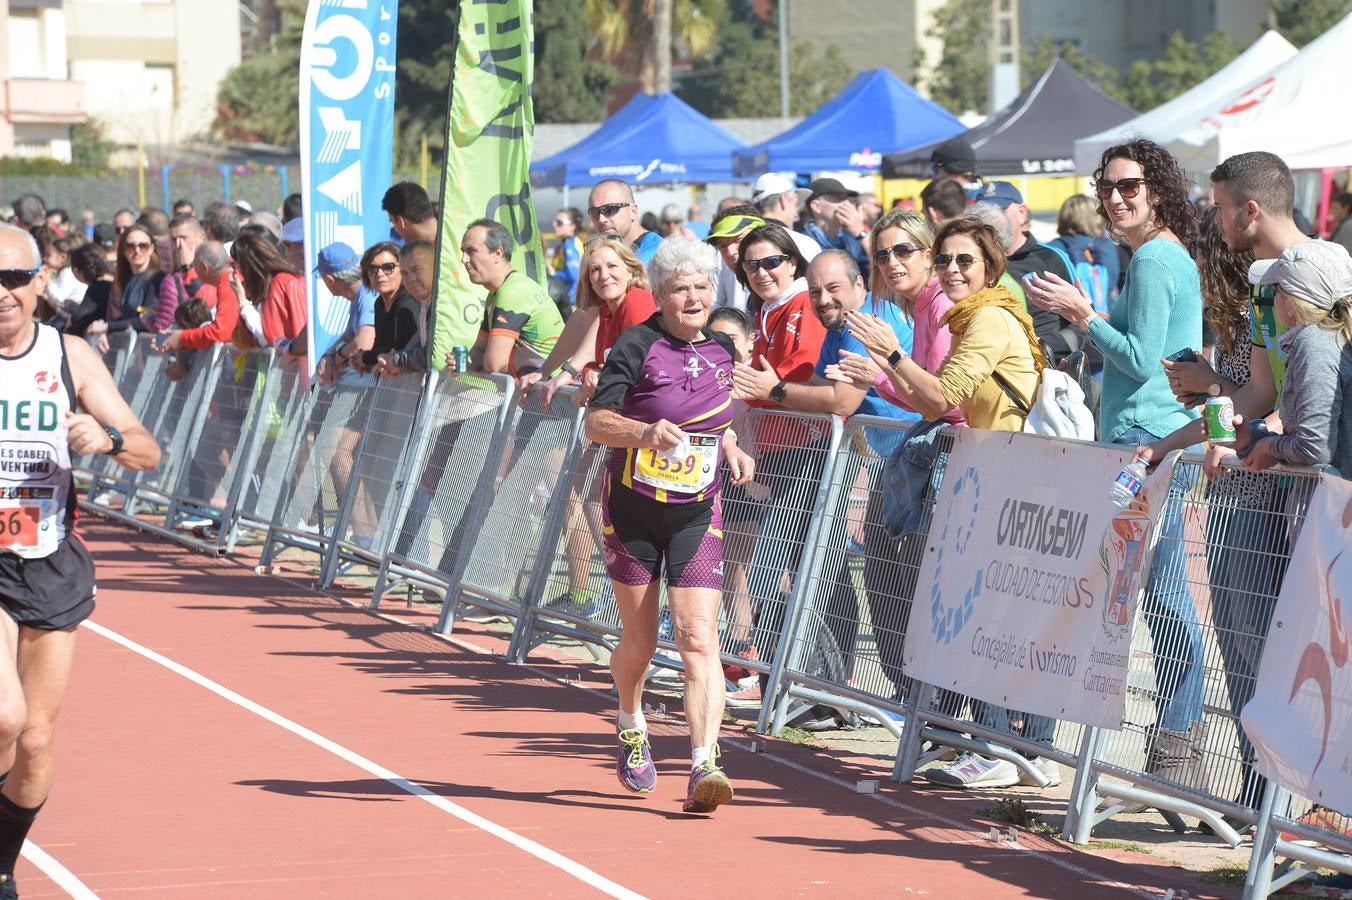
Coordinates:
(52, 593)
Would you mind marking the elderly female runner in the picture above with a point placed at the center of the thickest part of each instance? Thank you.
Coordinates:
(664, 406)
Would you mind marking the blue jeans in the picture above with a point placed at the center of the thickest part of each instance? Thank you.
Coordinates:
(1169, 611)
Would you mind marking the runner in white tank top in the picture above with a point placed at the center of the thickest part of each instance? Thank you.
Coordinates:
(35, 478)
(46, 574)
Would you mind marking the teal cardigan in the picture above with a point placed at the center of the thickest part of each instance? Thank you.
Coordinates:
(1158, 312)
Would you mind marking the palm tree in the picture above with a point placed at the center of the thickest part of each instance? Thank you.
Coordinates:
(639, 37)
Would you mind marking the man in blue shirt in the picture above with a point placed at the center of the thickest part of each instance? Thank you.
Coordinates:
(837, 222)
(340, 268)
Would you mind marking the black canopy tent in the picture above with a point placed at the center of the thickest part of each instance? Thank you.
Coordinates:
(1034, 135)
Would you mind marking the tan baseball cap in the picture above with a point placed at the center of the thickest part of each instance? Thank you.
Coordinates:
(1318, 272)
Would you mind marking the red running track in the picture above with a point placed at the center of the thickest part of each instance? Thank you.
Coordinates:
(231, 734)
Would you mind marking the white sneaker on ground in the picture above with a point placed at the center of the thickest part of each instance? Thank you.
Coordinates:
(972, 771)
(1047, 767)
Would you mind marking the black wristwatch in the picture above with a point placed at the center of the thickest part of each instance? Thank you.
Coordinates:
(571, 369)
(895, 357)
(777, 393)
(116, 437)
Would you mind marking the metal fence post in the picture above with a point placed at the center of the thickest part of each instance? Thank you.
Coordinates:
(1258, 877)
(776, 698)
(415, 450)
(1083, 798)
(807, 568)
(908, 751)
(554, 517)
(328, 567)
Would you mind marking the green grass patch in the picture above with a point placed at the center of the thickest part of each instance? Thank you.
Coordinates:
(1014, 811)
(1229, 875)
(1117, 845)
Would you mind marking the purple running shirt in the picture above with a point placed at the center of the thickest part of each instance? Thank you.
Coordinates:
(650, 375)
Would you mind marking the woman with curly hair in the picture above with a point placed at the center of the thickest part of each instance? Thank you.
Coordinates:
(1143, 196)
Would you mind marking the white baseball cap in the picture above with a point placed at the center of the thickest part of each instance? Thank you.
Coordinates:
(1318, 272)
(776, 183)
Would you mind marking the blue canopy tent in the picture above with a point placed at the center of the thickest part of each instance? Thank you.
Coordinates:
(874, 114)
(653, 139)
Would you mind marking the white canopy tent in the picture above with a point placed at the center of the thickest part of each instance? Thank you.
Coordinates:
(1166, 122)
(1294, 111)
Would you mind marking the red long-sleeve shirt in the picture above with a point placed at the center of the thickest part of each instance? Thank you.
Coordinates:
(219, 329)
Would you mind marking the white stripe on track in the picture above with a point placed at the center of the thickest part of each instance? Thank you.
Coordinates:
(63, 877)
(539, 851)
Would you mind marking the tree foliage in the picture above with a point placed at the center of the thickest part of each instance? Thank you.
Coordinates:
(1301, 21)
(627, 35)
(256, 101)
(741, 78)
(959, 79)
(569, 87)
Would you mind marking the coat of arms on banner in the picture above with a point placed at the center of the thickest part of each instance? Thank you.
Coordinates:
(1121, 554)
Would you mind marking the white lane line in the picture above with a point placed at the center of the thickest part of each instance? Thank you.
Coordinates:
(63, 877)
(539, 851)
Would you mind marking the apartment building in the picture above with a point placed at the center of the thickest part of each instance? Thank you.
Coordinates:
(151, 68)
(38, 100)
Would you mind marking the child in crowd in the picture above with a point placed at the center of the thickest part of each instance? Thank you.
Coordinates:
(191, 313)
(1314, 303)
(740, 507)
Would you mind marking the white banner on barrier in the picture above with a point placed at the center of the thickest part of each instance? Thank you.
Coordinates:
(1300, 717)
(1029, 587)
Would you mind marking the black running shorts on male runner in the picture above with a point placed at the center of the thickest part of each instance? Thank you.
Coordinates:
(52, 593)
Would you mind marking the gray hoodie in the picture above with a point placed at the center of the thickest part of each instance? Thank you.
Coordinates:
(1318, 383)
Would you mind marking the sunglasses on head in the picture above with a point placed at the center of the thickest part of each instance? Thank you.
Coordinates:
(900, 251)
(134, 246)
(964, 260)
(388, 268)
(1127, 187)
(12, 279)
(767, 263)
(608, 210)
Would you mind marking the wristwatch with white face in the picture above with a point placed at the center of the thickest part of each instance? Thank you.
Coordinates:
(1215, 389)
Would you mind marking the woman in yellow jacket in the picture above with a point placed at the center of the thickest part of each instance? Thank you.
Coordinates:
(993, 337)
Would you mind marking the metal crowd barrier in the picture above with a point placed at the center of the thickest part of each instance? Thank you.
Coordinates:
(451, 484)
(319, 476)
(448, 472)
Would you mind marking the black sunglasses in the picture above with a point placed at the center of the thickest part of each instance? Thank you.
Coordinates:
(387, 268)
(1127, 187)
(608, 210)
(767, 263)
(13, 279)
(900, 251)
(964, 260)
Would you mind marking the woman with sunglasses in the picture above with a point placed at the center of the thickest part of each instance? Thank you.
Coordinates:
(142, 299)
(789, 339)
(903, 271)
(1143, 196)
(615, 287)
(397, 311)
(992, 338)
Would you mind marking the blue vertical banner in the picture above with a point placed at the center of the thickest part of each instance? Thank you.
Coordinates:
(347, 63)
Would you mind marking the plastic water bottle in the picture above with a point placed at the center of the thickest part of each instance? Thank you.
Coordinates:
(1127, 484)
